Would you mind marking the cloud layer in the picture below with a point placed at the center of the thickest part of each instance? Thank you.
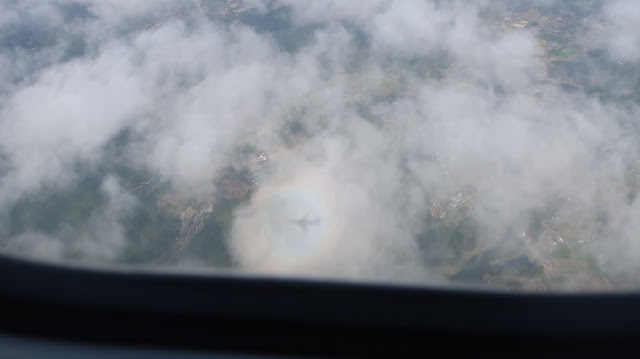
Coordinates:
(401, 102)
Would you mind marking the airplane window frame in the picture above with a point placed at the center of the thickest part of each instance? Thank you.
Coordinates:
(277, 316)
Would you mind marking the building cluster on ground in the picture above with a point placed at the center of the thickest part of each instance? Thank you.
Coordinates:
(256, 167)
(452, 208)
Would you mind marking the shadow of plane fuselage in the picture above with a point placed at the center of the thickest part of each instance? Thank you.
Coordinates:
(304, 222)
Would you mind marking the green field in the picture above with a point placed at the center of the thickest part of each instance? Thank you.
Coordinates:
(556, 38)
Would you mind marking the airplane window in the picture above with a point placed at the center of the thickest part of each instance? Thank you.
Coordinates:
(489, 145)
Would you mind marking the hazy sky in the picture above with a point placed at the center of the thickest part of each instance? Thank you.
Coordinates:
(190, 91)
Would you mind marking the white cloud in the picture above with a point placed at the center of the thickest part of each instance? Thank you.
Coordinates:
(189, 90)
(622, 29)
